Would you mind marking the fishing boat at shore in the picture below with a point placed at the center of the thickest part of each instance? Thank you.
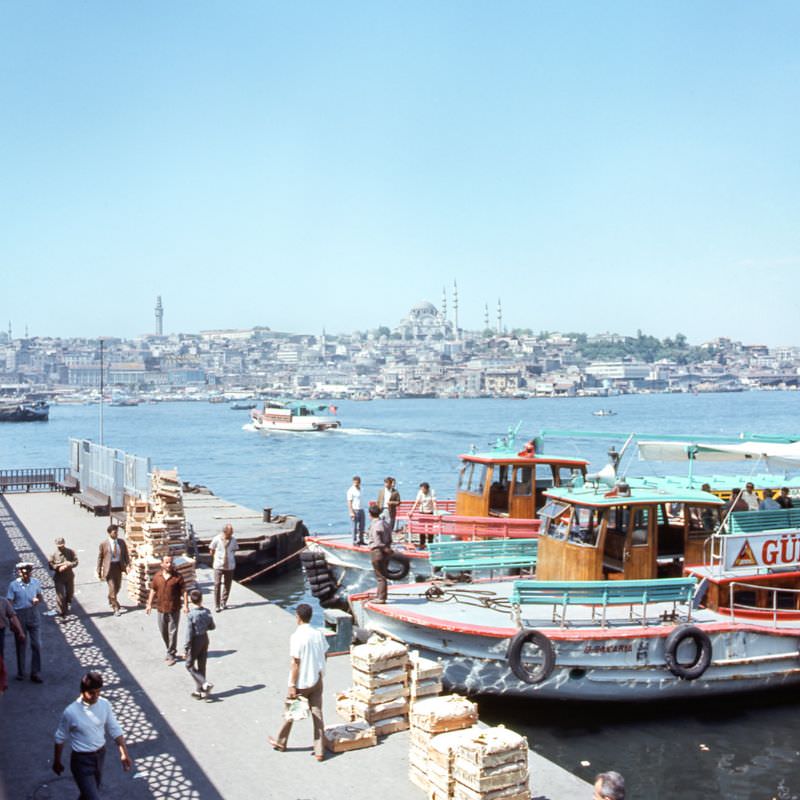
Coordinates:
(640, 594)
(498, 495)
(295, 416)
(23, 410)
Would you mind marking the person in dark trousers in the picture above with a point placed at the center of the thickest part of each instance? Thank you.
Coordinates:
(195, 643)
(389, 500)
(223, 548)
(112, 561)
(8, 619)
(380, 549)
(84, 724)
(63, 561)
(167, 589)
(25, 594)
(308, 649)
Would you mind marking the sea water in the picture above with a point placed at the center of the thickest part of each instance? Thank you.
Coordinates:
(737, 747)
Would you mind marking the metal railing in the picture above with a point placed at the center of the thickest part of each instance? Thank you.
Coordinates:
(35, 479)
(773, 609)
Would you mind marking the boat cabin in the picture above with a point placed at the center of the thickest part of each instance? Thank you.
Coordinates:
(590, 533)
(511, 484)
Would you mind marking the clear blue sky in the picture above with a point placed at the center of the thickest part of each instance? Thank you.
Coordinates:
(596, 165)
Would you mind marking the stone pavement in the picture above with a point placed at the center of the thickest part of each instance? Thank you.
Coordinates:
(183, 749)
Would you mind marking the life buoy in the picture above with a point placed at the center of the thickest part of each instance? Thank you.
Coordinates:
(693, 670)
(397, 567)
(531, 673)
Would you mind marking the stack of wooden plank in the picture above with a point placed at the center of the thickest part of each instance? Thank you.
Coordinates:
(425, 677)
(379, 694)
(144, 568)
(491, 764)
(429, 719)
(137, 513)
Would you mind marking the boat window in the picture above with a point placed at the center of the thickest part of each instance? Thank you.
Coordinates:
(465, 476)
(702, 519)
(479, 478)
(640, 526)
(618, 519)
(555, 519)
(585, 525)
(523, 481)
(562, 475)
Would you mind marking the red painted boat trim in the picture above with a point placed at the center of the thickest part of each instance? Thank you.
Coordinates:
(322, 540)
(511, 460)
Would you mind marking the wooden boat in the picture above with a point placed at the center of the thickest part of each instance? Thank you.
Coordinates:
(23, 410)
(295, 416)
(498, 495)
(639, 594)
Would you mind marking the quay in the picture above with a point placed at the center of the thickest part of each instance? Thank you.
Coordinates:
(183, 749)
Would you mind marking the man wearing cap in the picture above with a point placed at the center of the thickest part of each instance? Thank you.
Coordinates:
(62, 562)
(25, 594)
(112, 561)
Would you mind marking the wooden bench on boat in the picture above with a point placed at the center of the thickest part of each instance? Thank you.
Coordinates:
(483, 554)
(68, 484)
(561, 594)
(775, 519)
(92, 500)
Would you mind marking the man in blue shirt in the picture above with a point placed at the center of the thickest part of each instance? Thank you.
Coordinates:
(25, 594)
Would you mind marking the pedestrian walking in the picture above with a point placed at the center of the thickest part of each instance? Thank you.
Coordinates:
(168, 590)
(8, 620)
(223, 548)
(380, 550)
(426, 503)
(307, 648)
(389, 500)
(356, 510)
(25, 594)
(84, 725)
(63, 561)
(199, 622)
(112, 561)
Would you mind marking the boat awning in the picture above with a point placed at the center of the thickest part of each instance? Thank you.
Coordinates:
(773, 454)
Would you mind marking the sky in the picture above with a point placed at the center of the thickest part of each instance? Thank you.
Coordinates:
(595, 166)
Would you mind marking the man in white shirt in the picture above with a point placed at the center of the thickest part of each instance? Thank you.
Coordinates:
(750, 496)
(84, 724)
(307, 648)
(223, 548)
(356, 510)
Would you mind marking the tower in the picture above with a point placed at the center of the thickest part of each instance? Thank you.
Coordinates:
(485, 315)
(159, 317)
(499, 317)
(455, 310)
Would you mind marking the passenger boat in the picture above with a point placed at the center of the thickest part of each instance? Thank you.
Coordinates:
(604, 412)
(640, 594)
(22, 410)
(295, 416)
(498, 495)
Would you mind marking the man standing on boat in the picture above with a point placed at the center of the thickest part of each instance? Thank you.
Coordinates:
(783, 499)
(380, 550)
(223, 548)
(356, 510)
(389, 500)
(426, 502)
(750, 496)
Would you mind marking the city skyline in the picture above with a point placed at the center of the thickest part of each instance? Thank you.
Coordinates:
(606, 167)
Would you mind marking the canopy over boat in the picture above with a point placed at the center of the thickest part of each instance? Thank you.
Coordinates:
(774, 454)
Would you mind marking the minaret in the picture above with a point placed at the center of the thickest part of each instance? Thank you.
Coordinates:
(159, 317)
(26, 330)
(485, 315)
(499, 317)
(444, 311)
(322, 345)
(10, 337)
(455, 310)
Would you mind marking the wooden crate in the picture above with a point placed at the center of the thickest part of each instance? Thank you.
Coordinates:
(446, 713)
(350, 736)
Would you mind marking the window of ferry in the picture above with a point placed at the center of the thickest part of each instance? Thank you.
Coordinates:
(472, 478)
(585, 525)
(522, 481)
(555, 519)
(702, 519)
(465, 476)
(640, 533)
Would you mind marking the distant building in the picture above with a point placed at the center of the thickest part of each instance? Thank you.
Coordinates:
(424, 321)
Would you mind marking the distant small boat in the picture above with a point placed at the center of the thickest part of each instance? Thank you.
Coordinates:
(22, 410)
(604, 412)
(295, 416)
(242, 406)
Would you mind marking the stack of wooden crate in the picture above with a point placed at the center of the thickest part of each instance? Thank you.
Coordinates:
(425, 677)
(155, 529)
(379, 694)
(491, 764)
(430, 718)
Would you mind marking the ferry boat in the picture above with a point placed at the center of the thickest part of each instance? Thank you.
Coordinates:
(295, 416)
(22, 410)
(640, 593)
(498, 495)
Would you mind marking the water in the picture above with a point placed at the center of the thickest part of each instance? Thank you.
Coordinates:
(737, 747)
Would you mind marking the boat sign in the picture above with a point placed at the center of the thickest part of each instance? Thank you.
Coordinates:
(760, 550)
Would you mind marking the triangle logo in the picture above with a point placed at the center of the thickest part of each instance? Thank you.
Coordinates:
(745, 557)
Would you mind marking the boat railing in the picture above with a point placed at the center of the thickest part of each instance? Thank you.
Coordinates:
(772, 609)
(442, 507)
(471, 527)
(32, 479)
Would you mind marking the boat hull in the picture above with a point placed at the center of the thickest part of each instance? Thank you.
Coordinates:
(300, 424)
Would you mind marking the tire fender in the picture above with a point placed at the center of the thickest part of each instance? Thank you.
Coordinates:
(397, 567)
(514, 656)
(687, 672)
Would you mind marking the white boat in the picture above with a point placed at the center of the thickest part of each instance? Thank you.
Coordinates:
(294, 416)
(639, 594)
(604, 412)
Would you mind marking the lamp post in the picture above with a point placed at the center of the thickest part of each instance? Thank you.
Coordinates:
(102, 391)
